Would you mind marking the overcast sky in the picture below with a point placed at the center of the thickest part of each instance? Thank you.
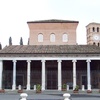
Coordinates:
(14, 15)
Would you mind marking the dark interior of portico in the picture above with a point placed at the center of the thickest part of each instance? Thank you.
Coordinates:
(7, 74)
(67, 73)
(95, 74)
(36, 73)
(81, 73)
(51, 73)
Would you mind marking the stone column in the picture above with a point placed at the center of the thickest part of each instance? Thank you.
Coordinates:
(28, 74)
(14, 75)
(1, 69)
(88, 75)
(43, 75)
(74, 74)
(59, 75)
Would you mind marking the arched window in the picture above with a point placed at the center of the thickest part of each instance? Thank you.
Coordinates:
(65, 37)
(93, 29)
(97, 29)
(40, 37)
(93, 43)
(52, 37)
(98, 44)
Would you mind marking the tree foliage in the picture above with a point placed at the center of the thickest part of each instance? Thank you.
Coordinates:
(0, 46)
(21, 41)
(10, 41)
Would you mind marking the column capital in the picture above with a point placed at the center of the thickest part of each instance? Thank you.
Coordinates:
(28, 61)
(59, 61)
(15, 61)
(88, 60)
(74, 60)
(43, 60)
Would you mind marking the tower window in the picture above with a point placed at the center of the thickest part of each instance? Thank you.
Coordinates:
(98, 44)
(40, 37)
(93, 43)
(93, 29)
(97, 29)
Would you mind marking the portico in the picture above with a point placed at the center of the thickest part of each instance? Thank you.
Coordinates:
(44, 65)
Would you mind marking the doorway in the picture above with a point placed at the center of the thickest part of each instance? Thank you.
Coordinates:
(52, 78)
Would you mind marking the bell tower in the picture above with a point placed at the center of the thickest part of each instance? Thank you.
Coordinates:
(93, 34)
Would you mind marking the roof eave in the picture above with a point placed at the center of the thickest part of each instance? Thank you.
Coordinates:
(53, 21)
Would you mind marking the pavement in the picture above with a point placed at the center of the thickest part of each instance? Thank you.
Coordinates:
(50, 95)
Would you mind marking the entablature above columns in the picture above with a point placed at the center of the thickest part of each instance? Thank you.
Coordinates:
(49, 58)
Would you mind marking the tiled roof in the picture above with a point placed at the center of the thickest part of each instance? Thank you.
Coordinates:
(53, 21)
(31, 49)
(93, 23)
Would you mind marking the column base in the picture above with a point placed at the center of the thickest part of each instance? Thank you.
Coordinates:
(28, 87)
(43, 88)
(89, 87)
(74, 86)
(13, 87)
(59, 88)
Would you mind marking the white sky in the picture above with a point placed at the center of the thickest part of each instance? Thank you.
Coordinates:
(14, 15)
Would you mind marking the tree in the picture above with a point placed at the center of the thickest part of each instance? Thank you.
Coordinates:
(10, 41)
(21, 41)
(0, 46)
(28, 42)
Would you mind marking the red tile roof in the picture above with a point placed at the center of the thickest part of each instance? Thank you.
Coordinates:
(47, 50)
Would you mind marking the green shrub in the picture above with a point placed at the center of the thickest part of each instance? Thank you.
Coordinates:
(76, 88)
(38, 87)
(64, 86)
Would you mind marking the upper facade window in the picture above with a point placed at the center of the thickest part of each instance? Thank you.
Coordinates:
(52, 37)
(65, 37)
(93, 29)
(40, 37)
(97, 29)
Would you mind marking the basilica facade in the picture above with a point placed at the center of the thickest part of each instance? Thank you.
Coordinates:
(52, 58)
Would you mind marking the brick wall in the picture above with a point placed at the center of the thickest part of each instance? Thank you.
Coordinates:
(57, 28)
